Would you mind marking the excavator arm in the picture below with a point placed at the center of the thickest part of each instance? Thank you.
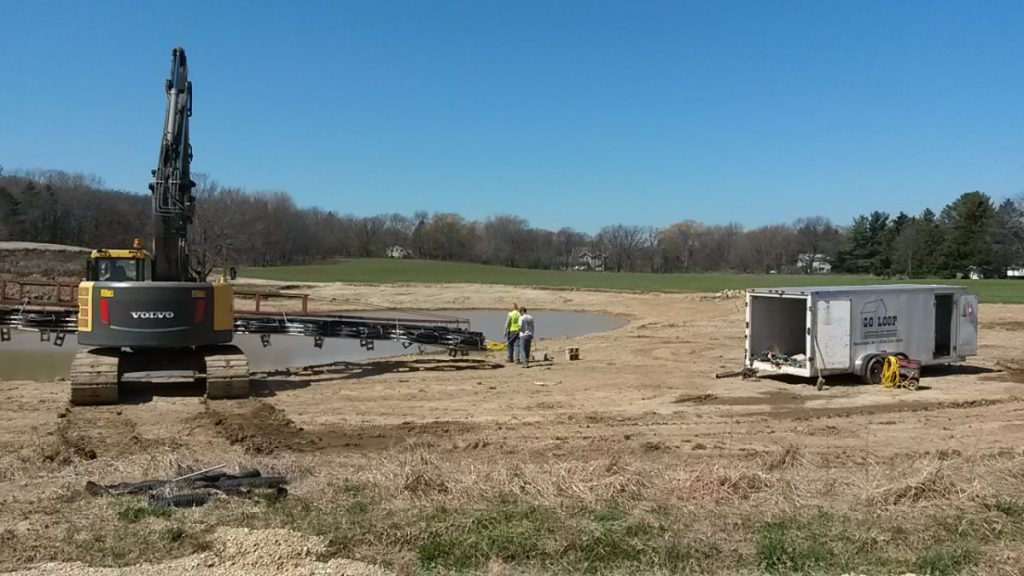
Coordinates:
(173, 200)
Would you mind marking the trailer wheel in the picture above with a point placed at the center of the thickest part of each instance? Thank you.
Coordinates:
(873, 370)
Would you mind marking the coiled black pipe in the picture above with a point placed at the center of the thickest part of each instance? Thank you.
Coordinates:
(186, 500)
(256, 482)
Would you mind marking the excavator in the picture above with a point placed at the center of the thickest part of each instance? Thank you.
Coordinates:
(144, 310)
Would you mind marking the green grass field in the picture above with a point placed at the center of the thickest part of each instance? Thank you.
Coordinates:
(386, 271)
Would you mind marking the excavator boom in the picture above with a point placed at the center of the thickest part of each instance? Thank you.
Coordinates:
(173, 200)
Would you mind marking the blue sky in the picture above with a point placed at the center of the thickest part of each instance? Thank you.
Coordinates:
(565, 113)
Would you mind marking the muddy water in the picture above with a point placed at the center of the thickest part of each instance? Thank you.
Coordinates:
(26, 358)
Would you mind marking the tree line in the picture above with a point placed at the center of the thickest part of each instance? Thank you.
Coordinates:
(237, 228)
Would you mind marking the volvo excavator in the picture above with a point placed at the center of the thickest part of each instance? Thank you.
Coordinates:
(144, 310)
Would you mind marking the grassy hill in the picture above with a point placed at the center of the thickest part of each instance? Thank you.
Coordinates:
(385, 271)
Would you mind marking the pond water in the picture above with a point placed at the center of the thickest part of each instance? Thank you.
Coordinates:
(26, 358)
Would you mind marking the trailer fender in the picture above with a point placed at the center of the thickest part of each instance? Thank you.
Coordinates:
(861, 363)
(874, 365)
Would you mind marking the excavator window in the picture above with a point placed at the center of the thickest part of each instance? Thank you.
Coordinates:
(118, 270)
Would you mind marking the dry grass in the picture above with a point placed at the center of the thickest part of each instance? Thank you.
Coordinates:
(420, 510)
(933, 484)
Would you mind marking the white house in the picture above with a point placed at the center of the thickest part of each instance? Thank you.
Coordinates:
(396, 251)
(590, 261)
(814, 263)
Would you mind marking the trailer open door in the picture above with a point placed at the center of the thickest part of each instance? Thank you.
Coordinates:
(967, 329)
(831, 334)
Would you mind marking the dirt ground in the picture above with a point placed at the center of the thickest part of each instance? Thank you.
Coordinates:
(642, 397)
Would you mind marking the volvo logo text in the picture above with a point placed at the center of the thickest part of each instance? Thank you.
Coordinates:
(153, 315)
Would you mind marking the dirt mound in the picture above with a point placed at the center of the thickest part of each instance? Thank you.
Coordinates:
(90, 433)
(723, 295)
(235, 551)
(273, 548)
(9, 245)
(28, 260)
(257, 426)
(261, 428)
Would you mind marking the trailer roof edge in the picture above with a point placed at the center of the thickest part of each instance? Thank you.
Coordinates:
(860, 288)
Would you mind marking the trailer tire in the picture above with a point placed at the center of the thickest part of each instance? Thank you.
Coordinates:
(873, 370)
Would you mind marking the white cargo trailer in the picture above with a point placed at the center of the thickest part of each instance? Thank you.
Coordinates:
(850, 329)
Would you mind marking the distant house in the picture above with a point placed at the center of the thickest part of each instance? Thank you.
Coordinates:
(594, 261)
(1015, 272)
(396, 251)
(814, 263)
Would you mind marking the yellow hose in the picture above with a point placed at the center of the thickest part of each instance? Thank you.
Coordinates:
(891, 372)
(891, 375)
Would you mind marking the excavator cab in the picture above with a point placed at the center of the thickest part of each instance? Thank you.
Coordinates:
(132, 265)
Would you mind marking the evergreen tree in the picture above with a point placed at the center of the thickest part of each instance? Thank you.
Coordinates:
(929, 244)
(889, 248)
(852, 257)
(967, 221)
(1006, 237)
(906, 245)
(878, 245)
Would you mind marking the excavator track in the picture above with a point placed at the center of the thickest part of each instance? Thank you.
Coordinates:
(95, 377)
(227, 372)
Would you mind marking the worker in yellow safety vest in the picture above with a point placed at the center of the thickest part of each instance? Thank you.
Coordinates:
(512, 331)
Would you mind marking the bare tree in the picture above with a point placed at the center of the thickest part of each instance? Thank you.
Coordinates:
(678, 244)
(818, 237)
(209, 235)
(567, 243)
(447, 237)
(368, 232)
(398, 230)
(505, 237)
(767, 249)
(622, 243)
(649, 247)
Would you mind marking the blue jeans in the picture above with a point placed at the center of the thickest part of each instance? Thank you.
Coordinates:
(513, 345)
(524, 348)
